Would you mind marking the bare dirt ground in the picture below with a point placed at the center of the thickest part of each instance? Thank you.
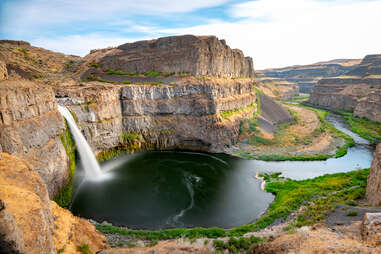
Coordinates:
(296, 138)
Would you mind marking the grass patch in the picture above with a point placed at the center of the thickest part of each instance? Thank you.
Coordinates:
(352, 213)
(69, 64)
(95, 65)
(93, 78)
(367, 129)
(318, 194)
(237, 245)
(84, 249)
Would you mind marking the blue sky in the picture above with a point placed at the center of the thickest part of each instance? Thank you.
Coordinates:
(275, 33)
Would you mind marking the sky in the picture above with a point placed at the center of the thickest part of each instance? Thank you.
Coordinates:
(275, 33)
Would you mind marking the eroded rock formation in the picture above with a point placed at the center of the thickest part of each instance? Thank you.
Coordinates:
(198, 55)
(373, 189)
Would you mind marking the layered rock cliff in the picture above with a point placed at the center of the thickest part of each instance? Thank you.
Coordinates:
(359, 94)
(185, 115)
(373, 189)
(277, 88)
(198, 55)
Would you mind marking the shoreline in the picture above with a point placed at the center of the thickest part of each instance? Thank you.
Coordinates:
(263, 183)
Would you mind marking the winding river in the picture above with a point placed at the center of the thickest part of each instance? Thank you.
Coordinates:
(154, 190)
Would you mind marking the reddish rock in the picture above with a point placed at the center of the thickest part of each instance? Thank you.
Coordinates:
(373, 189)
(371, 229)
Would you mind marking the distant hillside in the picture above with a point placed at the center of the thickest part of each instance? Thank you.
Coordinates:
(370, 65)
(306, 76)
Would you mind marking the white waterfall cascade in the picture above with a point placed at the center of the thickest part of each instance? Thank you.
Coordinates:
(88, 160)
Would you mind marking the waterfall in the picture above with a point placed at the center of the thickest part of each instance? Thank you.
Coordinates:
(88, 160)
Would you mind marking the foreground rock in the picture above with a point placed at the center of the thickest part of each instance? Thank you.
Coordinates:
(318, 240)
(373, 188)
(198, 55)
(371, 229)
(44, 227)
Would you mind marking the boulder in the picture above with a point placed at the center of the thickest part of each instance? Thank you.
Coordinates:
(371, 229)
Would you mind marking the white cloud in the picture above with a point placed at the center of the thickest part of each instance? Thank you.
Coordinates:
(274, 32)
(279, 33)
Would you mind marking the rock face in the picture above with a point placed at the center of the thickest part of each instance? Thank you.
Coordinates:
(371, 229)
(3, 71)
(370, 65)
(359, 95)
(306, 76)
(185, 115)
(30, 126)
(32, 223)
(198, 55)
(373, 189)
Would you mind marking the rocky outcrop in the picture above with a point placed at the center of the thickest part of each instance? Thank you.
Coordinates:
(355, 94)
(371, 229)
(3, 71)
(370, 65)
(198, 55)
(34, 224)
(185, 115)
(30, 128)
(373, 189)
(306, 76)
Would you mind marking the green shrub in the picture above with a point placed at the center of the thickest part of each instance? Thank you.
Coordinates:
(84, 248)
(352, 213)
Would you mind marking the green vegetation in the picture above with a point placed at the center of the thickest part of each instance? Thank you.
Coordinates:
(69, 64)
(318, 195)
(237, 245)
(229, 113)
(84, 248)
(367, 129)
(126, 82)
(300, 98)
(22, 50)
(352, 213)
(95, 65)
(63, 198)
(93, 78)
(131, 136)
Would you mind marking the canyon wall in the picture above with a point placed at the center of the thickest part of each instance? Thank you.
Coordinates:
(30, 128)
(373, 188)
(198, 55)
(358, 95)
(180, 116)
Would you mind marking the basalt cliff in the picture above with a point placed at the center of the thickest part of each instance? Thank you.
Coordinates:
(359, 93)
(182, 92)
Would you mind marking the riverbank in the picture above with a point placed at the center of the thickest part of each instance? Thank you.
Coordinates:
(309, 137)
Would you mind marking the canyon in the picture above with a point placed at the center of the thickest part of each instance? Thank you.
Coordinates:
(172, 93)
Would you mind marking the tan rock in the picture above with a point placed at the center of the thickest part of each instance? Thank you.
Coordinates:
(373, 188)
(71, 232)
(371, 229)
(11, 237)
(3, 71)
